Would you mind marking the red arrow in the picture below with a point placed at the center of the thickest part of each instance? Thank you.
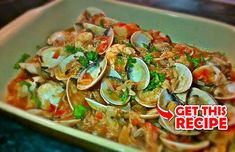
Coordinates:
(165, 114)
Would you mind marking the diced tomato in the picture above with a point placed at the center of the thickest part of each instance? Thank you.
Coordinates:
(151, 126)
(203, 74)
(86, 79)
(130, 28)
(99, 115)
(56, 54)
(87, 76)
(84, 103)
(120, 24)
(231, 128)
(135, 122)
(59, 112)
(51, 108)
(102, 46)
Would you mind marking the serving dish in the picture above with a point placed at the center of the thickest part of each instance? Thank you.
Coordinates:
(204, 36)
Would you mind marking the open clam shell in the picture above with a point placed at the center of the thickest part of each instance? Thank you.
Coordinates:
(168, 101)
(140, 39)
(185, 78)
(179, 146)
(75, 96)
(139, 74)
(148, 98)
(50, 92)
(110, 94)
(225, 92)
(51, 56)
(33, 68)
(200, 97)
(209, 74)
(102, 37)
(69, 67)
(90, 76)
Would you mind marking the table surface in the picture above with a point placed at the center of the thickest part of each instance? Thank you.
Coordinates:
(15, 137)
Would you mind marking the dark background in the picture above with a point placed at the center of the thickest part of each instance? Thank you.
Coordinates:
(15, 137)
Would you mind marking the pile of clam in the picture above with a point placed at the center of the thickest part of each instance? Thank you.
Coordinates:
(124, 84)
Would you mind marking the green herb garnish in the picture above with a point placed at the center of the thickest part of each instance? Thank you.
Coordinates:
(194, 61)
(153, 49)
(79, 111)
(92, 56)
(156, 80)
(130, 61)
(22, 59)
(72, 49)
(84, 61)
(128, 44)
(124, 95)
(120, 60)
(148, 58)
(177, 57)
(145, 45)
(33, 95)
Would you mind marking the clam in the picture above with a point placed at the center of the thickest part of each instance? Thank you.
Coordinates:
(50, 92)
(69, 67)
(140, 40)
(151, 114)
(33, 68)
(139, 74)
(88, 13)
(179, 146)
(57, 37)
(209, 75)
(91, 75)
(225, 92)
(75, 96)
(200, 97)
(185, 78)
(102, 37)
(51, 56)
(112, 92)
(148, 98)
(169, 101)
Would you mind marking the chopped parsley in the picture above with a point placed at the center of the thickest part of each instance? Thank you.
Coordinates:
(33, 95)
(72, 49)
(194, 61)
(84, 61)
(120, 60)
(153, 49)
(150, 49)
(92, 56)
(156, 80)
(130, 61)
(22, 59)
(177, 57)
(145, 45)
(124, 95)
(79, 111)
(148, 58)
(128, 44)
